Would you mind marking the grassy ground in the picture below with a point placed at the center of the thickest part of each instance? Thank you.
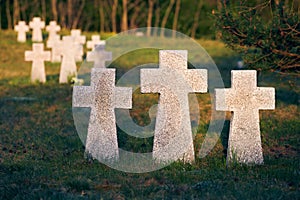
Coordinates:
(41, 155)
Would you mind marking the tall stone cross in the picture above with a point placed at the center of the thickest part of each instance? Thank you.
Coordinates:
(102, 96)
(52, 29)
(37, 25)
(21, 28)
(95, 41)
(173, 135)
(55, 44)
(78, 39)
(68, 50)
(37, 56)
(245, 100)
(99, 56)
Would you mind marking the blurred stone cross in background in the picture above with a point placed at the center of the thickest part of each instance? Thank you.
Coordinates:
(55, 44)
(174, 81)
(99, 56)
(68, 50)
(245, 100)
(21, 28)
(52, 29)
(80, 40)
(95, 41)
(37, 25)
(37, 56)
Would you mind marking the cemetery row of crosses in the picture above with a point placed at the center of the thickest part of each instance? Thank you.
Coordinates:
(68, 51)
(173, 135)
(244, 98)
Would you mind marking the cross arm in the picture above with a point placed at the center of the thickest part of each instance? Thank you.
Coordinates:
(123, 97)
(82, 96)
(265, 97)
(197, 80)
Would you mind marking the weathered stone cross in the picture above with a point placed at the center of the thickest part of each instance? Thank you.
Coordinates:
(21, 28)
(95, 41)
(37, 25)
(99, 56)
(37, 56)
(52, 28)
(245, 100)
(68, 50)
(174, 82)
(102, 96)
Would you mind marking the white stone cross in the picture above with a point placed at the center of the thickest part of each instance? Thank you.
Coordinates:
(37, 56)
(55, 44)
(173, 135)
(78, 39)
(52, 29)
(95, 41)
(245, 100)
(99, 56)
(102, 96)
(68, 50)
(21, 28)
(37, 25)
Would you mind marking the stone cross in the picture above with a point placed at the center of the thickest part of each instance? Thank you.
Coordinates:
(37, 56)
(245, 100)
(37, 25)
(99, 56)
(68, 50)
(174, 82)
(78, 39)
(52, 29)
(95, 41)
(21, 28)
(102, 96)
(55, 44)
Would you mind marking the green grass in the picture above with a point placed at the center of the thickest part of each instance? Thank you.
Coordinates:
(42, 157)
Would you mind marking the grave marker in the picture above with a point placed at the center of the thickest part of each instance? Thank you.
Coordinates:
(21, 28)
(99, 56)
(95, 41)
(102, 96)
(37, 56)
(174, 82)
(55, 44)
(78, 39)
(52, 29)
(37, 25)
(245, 100)
(68, 50)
